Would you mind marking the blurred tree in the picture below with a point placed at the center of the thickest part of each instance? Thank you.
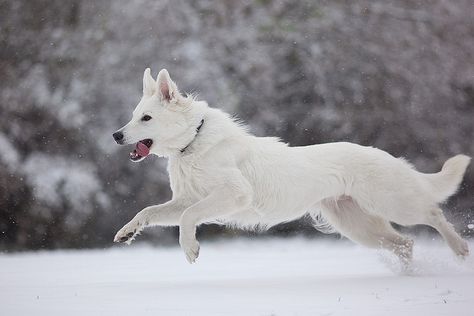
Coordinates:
(396, 75)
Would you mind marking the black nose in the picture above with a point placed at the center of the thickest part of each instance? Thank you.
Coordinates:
(118, 136)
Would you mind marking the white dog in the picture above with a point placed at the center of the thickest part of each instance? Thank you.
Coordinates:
(219, 172)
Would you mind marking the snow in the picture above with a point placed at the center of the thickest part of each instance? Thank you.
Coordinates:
(245, 277)
(8, 153)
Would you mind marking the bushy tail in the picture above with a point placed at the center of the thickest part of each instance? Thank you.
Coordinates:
(446, 182)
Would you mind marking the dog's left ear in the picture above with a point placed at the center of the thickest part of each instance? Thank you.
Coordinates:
(167, 89)
(148, 83)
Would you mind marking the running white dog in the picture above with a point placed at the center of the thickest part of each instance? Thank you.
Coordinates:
(219, 172)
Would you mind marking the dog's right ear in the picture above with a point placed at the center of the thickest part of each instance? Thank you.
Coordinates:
(167, 89)
(148, 83)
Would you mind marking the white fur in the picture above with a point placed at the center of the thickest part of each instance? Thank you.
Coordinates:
(229, 176)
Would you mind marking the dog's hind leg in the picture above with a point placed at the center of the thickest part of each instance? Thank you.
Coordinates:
(349, 219)
(435, 218)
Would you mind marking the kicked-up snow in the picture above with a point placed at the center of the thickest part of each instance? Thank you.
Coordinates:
(251, 277)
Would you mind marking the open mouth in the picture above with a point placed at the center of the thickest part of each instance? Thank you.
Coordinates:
(142, 149)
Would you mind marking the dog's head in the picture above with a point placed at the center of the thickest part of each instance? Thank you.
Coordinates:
(161, 122)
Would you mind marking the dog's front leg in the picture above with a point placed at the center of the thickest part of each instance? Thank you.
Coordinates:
(167, 214)
(220, 203)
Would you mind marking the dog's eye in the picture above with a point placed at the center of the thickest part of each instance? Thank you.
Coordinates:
(146, 118)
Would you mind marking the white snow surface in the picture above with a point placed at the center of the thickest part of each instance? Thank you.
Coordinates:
(244, 277)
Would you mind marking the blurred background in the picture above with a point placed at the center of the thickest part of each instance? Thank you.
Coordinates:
(398, 75)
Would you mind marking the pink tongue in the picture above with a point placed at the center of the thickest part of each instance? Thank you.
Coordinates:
(142, 149)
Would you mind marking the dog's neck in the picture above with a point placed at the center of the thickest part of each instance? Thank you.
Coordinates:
(218, 126)
(197, 132)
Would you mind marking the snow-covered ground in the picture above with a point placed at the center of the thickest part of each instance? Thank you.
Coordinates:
(258, 277)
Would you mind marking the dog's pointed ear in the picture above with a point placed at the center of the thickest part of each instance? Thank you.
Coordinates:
(167, 89)
(148, 83)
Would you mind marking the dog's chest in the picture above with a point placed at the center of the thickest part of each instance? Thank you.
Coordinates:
(187, 179)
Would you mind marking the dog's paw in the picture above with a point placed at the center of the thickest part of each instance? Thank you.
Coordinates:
(462, 249)
(128, 233)
(191, 249)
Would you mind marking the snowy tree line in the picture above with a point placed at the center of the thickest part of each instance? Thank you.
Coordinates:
(398, 75)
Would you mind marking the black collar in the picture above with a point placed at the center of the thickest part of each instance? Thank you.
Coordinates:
(197, 132)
